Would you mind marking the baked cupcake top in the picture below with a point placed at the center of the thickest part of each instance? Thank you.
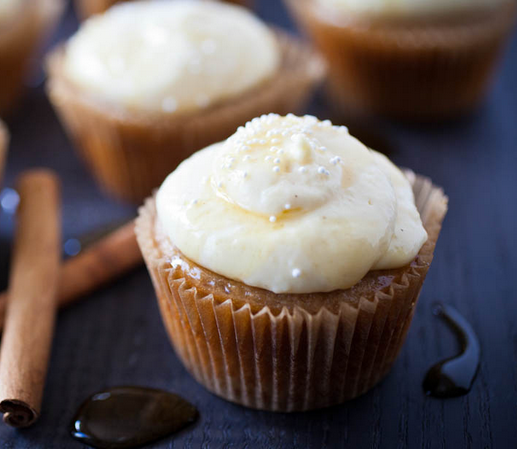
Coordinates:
(292, 205)
(9, 9)
(406, 7)
(171, 56)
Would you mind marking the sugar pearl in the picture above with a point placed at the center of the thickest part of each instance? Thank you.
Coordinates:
(169, 104)
(202, 100)
(208, 46)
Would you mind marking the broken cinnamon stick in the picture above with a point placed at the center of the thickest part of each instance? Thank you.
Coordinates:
(31, 304)
(97, 265)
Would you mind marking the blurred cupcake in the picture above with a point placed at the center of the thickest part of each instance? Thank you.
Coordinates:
(287, 262)
(23, 25)
(4, 141)
(146, 84)
(87, 8)
(418, 59)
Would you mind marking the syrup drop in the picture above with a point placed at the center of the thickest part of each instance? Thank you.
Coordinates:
(454, 376)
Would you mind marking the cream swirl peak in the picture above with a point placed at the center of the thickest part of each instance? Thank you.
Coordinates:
(292, 205)
(171, 57)
(277, 171)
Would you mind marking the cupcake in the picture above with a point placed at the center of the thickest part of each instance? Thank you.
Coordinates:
(87, 8)
(146, 84)
(287, 262)
(413, 59)
(22, 28)
(4, 141)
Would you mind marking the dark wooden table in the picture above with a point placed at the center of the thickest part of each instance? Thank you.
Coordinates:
(115, 337)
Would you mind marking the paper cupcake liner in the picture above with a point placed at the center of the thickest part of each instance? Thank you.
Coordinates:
(130, 154)
(292, 360)
(87, 8)
(19, 41)
(241, 2)
(419, 70)
(4, 142)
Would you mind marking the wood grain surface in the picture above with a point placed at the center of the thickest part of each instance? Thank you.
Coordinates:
(115, 337)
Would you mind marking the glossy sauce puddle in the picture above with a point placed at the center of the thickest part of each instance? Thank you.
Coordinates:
(128, 417)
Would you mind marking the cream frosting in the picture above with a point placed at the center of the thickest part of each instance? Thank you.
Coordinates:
(405, 7)
(171, 56)
(9, 9)
(292, 205)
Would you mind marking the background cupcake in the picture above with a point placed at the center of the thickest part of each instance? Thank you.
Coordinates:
(287, 262)
(23, 26)
(146, 84)
(408, 58)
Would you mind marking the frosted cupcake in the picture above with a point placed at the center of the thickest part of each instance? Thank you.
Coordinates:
(287, 262)
(87, 8)
(23, 26)
(417, 59)
(146, 84)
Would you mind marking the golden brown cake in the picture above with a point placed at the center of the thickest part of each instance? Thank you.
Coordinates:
(131, 145)
(4, 142)
(283, 351)
(87, 8)
(21, 34)
(432, 63)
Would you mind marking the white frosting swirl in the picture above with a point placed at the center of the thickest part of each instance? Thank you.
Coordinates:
(171, 56)
(292, 205)
(406, 7)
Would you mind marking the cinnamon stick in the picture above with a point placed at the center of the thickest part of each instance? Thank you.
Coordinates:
(31, 304)
(97, 265)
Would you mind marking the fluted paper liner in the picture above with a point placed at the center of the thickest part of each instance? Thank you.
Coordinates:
(87, 8)
(131, 153)
(4, 141)
(19, 40)
(422, 69)
(290, 360)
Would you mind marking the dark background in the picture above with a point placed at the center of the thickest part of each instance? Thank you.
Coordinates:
(115, 337)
